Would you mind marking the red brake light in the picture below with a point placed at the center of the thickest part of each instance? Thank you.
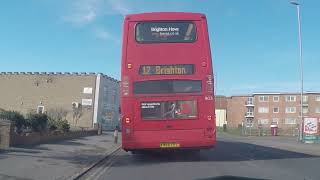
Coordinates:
(209, 118)
(210, 132)
(204, 64)
(127, 120)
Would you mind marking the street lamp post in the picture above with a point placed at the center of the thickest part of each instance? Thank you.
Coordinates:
(301, 68)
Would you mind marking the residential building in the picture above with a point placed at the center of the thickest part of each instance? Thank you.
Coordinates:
(81, 98)
(265, 109)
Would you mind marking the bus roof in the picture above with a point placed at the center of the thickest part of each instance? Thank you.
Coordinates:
(154, 16)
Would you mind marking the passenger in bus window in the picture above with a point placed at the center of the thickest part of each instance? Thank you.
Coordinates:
(187, 89)
(171, 112)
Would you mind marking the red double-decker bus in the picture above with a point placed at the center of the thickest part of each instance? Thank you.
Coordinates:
(167, 98)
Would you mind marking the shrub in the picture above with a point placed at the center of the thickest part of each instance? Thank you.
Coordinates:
(57, 119)
(38, 122)
(52, 124)
(14, 116)
(63, 125)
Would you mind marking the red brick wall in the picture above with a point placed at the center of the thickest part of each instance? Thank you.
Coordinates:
(221, 102)
(236, 110)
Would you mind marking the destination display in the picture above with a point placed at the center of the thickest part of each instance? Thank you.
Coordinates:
(180, 69)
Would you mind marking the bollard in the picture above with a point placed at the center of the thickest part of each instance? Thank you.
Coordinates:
(115, 135)
(224, 128)
(98, 127)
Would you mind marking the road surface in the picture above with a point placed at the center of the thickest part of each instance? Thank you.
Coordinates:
(231, 159)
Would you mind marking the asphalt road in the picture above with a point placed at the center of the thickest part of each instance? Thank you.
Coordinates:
(229, 160)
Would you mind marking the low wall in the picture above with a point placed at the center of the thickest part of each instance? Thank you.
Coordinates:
(6, 128)
(37, 138)
(260, 132)
(263, 132)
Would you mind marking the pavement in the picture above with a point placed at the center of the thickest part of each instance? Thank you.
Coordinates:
(60, 160)
(232, 158)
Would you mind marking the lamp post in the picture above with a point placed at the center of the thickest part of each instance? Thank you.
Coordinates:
(295, 3)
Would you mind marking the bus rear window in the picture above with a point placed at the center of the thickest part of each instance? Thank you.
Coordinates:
(161, 110)
(167, 86)
(165, 32)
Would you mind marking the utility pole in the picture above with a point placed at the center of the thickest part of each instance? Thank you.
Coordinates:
(301, 69)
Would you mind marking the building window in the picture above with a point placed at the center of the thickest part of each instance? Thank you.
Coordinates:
(290, 98)
(40, 109)
(249, 112)
(263, 121)
(250, 101)
(275, 98)
(317, 110)
(248, 122)
(317, 98)
(290, 121)
(263, 98)
(304, 99)
(305, 110)
(275, 121)
(276, 110)
(290, 109)
(114, 96)
(263, 109)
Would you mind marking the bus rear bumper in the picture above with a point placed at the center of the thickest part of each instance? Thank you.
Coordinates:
(175, 139)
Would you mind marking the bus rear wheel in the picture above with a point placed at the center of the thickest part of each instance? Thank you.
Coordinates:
(194, 154)
(137, 152)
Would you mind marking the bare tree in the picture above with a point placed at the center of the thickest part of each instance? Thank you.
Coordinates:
(57, 113)
(77, 113)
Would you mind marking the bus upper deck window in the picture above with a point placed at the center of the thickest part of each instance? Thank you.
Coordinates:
(165, 32)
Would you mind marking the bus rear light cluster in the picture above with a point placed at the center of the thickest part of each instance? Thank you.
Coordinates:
(129, 66)
(127, 120)
(125, 86)
(204, 64)
(209, 132)
(209, 118)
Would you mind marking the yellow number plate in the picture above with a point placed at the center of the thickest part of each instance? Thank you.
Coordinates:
(169, 145)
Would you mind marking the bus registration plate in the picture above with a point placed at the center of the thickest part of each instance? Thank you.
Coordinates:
(169, 145)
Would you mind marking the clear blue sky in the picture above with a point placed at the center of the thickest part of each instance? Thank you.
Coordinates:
(254, 42)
